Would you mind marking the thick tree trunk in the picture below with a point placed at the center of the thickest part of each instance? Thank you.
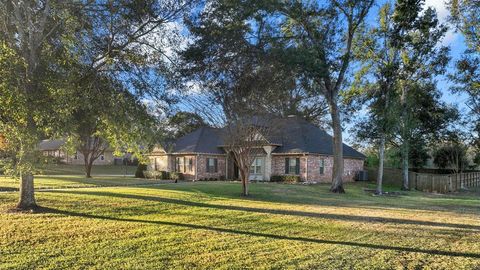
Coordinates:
(337, 181)
(27, 193)
(381, 156)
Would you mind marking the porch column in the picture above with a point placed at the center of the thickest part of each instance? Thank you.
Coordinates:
(268, 163)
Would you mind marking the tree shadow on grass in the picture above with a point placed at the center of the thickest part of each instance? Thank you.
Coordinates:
(352, 218)
(321, 196)
(265, 235)
(8, 189)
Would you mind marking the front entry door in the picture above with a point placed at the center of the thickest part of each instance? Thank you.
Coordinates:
(257, 169)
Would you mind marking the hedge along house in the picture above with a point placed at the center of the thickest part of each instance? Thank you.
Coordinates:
(299, 148)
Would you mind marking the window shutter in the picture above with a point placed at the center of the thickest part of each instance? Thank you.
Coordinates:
(297, 166)
(208, 161)
(216, 164)
(287, 164)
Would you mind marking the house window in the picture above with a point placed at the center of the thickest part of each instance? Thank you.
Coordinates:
(75, 156)
(292, 166)
(190, 164)
(322, 166)
(102, 157)
(180, 164)
(212, 165)
(256, 167)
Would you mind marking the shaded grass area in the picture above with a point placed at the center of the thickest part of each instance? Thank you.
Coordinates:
(208, 225)
(72, 181)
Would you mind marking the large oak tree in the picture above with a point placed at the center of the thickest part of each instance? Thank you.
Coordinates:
(46, 41)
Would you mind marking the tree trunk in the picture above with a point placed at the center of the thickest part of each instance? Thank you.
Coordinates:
(381, 156)
(88, 169)
(245, 186)
(405, 146)
(337, 181)
(27, 193)
(244, 177)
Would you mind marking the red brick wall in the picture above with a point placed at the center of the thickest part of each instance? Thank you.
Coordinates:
(314, 169)
(278, 165)
(202, 167)
(351, 167)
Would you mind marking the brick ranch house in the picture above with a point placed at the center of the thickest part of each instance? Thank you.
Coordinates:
(303, 149)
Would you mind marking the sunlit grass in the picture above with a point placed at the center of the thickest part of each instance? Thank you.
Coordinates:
(64, 169)
(209, 225)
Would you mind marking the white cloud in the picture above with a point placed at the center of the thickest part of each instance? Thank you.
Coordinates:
(443, 13)
(440, 6)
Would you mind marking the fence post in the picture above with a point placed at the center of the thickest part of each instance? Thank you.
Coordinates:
(416, 181)
(461, 181)
(431, 180)
(450, 187)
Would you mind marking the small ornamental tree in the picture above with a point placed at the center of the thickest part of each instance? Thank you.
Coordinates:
(242, 137)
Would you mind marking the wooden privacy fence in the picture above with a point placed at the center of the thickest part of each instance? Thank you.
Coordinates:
(441, 183)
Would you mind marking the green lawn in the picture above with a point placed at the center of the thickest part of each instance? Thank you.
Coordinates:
(208, 225)
(71, 181)
(63, 169)
(61, 176)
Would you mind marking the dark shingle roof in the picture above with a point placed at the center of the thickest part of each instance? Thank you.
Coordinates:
(300, 136)
(202, 140)
(294, 135)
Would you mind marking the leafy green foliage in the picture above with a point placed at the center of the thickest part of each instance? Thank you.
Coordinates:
(183, 123)
(465, 16)
(451, 156)
(140, 169)
(240, 65)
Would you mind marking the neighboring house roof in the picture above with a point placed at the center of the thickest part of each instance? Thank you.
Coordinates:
(46, 145)
(56, 144)
(295, 135)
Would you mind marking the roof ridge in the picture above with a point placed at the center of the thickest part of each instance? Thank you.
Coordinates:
(304, 137)
(199, 138)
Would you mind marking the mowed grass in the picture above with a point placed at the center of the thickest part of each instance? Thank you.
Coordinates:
(66, 169)
(207, 225)
(62, 176)
(70, 181)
